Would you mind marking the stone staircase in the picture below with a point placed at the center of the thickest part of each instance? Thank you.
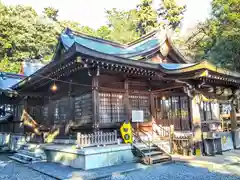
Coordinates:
(29, 153)
(4, 148)
(150, 154)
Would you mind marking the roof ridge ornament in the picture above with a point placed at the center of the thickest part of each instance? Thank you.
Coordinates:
(69, 32)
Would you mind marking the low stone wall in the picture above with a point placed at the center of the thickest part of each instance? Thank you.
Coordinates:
(4, 139)
(16, 141)
(236, 138)
(226, 140)
(12, 141)
(218, 142)
(90, 158)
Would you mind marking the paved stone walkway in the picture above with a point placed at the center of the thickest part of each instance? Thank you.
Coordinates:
(173, 172)
(11, 170)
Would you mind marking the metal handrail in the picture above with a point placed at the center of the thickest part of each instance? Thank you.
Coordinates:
(135, 135)
(147, 144)
(160, 126)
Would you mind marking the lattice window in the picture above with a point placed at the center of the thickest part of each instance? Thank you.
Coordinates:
(45, 113)
(209, 111)
(111, 107)
(140, 102)
(118, 114)
(63, 108)
(174, 109)
(56, 111)
(20, 111)
(105, 107)
(184, 112)
(9, 108)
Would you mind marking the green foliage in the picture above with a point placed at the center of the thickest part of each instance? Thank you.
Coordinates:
(25, 35)
(51, 13)
(168, 14)
(122, 25)
(218, 39)
(172, 13)
(147, 17)
(104, 32)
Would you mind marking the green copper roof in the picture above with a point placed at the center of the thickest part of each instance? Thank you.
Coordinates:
(8, 79)
(68, 39)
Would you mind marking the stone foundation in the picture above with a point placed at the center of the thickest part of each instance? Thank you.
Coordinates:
(90, 158)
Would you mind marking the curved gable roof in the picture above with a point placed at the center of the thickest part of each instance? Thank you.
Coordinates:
(7, 80)
(139, 47)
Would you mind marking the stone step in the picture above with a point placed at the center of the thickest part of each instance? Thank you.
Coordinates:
(160, 158)
(28, 153)
(29, 146)
(153, 153)
(18, 159)
(26, 158)
(152, 148)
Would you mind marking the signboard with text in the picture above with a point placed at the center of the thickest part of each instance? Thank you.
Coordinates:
(137, 116)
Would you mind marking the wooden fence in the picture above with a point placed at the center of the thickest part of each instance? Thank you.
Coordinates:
(97, 139)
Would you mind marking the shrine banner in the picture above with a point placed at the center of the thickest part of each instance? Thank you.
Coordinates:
(29, 121)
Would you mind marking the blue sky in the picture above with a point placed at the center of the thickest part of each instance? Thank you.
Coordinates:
(91, 12)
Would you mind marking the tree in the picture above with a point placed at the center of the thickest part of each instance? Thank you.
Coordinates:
(167, 14)
(104, 32)
(122, 25)
(218, 38)
(75, 26)
(172, 13)
(147, 17)
(51, 13)
(23, 35)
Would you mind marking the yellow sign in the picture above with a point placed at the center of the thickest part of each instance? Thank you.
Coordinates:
(224, 140)
(198, 152)
(126, 132)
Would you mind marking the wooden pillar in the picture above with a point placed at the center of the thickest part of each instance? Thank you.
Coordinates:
(196, 118)
(196, 123)
(126, 102)
(95, 101)
(70, 104)
(190, 112)
(25, 103)
(233, 117)
(152, 108)
(152, 105)
(180, 113)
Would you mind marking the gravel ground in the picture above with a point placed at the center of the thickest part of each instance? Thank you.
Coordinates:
(11, 170)
(173, 172)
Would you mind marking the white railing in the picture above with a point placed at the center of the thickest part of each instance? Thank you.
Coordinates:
(96, 139)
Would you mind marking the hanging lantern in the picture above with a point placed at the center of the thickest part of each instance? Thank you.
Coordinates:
(163, 98)
(79, 59)
(54, 87)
